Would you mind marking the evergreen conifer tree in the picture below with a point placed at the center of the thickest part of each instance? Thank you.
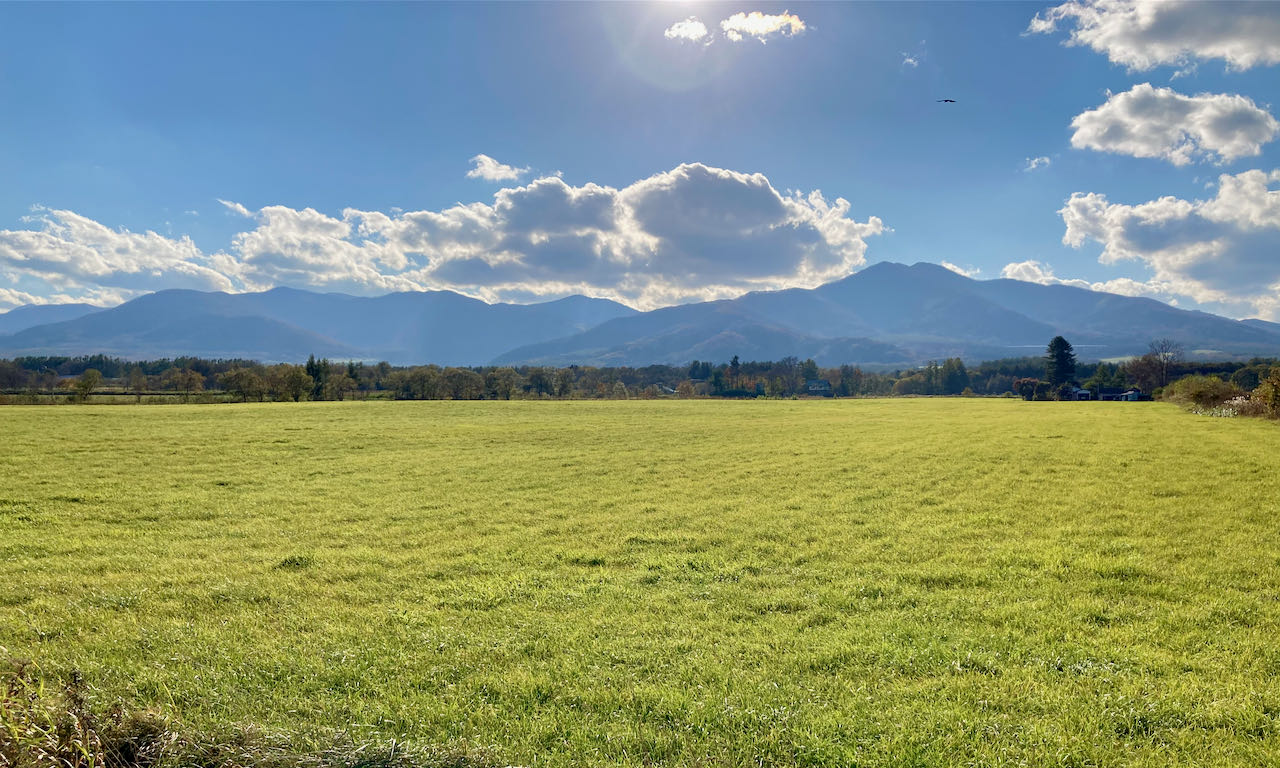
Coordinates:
(1059, 362)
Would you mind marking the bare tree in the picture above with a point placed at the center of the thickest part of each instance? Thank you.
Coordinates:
(137, 382)
(1166, 352)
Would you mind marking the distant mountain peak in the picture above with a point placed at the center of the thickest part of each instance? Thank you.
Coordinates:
(888, 314)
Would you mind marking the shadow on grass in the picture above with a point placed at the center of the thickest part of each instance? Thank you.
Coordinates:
(46, 724)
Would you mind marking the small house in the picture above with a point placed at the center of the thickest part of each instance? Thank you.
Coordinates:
(1131, 394)
(818, 388)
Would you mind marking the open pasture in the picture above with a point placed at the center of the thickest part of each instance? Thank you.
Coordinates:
(873, 583)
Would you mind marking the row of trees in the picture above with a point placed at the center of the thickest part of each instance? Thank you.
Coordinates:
(1148, 373)
(320, 379)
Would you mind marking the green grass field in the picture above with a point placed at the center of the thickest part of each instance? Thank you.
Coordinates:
(875, 583)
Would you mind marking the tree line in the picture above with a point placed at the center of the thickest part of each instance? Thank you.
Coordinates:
(188, 378)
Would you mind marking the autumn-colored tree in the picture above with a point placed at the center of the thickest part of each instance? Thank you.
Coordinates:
(88, 381)
(184, 381)
(244, 383)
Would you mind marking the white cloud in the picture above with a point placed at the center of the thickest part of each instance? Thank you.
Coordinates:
(74, 251)
(694, 232)
(1142, 34)
(691, 29)
(761, 26)
(236, 208)
(1036, 162)
(912, 59)
(1033, 271)
(970, 272)
(491, 170)
(10, 298)
(1221, 250)
(1160, 122)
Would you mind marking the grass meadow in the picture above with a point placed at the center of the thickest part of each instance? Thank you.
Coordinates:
(907, 582)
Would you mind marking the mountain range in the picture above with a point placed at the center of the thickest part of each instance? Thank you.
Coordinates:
(885, 315)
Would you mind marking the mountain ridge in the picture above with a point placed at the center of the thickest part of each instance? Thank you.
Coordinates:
(887, 314)
(30, 315)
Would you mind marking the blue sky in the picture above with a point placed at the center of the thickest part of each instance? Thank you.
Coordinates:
(327, 146)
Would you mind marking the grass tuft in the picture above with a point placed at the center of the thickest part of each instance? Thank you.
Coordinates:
(43, 724)
(296, 563)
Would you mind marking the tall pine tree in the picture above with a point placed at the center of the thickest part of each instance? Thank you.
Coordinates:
(1059, 362)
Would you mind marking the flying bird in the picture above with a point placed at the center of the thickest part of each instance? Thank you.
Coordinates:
(949, 101)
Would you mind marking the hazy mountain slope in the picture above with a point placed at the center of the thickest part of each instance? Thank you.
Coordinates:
(915, 313)
(888, 314)
(677, 335)
(194, 333)
(287, 324)
(1124, 321)
(1263, 324)
(880, 315)
(22, 318)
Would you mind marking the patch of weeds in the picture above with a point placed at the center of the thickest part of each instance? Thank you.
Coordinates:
(44, 724)
(1098, 619)
(295, 563)
(1134, 718)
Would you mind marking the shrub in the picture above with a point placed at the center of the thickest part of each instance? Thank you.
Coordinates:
(1267, 396)
(1201, 391)
(1243, 405)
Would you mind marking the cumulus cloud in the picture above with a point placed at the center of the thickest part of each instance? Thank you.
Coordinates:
(694, 232)
(1160, 122)
(69, 251)
(1033, 271)
(1221, 250)
(10, 298)
(761, 26)
(1036, 162)
(491, 170)
(691, 29)
(970, 272)
(1142, 34)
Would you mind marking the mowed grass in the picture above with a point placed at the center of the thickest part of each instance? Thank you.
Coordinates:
(934, 582)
